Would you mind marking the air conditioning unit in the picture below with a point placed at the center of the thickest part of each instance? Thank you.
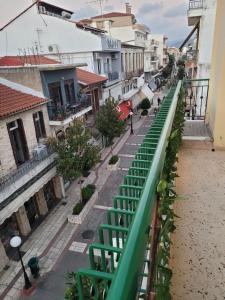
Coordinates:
(40, 152)
(42, 9)
(114, 56)
(53, 48)
(66, 15)
(96, 56)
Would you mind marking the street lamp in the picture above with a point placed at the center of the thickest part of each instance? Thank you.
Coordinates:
(15, 242)
(131, 122)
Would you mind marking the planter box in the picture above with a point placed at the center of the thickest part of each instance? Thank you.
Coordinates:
(78, 219)
(113, 167)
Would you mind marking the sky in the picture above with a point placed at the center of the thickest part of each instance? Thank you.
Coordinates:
(167, 17)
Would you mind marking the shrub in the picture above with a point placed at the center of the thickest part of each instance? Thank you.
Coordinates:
(144, 112)
(78, 208)
(145, 104)
(113, 160)
(87, 192)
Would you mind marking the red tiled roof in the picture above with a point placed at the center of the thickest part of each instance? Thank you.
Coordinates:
(13, 101)
(112, 15)
(26, 60)
(88, 78)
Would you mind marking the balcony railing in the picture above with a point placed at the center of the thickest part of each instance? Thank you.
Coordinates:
(64, 112)
(123, 241)
(113, 76)
(195, 4)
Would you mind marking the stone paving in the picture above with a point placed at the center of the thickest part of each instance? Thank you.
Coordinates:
(52, 240)
(197, 251)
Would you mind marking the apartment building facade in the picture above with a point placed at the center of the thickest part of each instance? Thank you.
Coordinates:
(99, 52)
(201, 16)
(29, 185)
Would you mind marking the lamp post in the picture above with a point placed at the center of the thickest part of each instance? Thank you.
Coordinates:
(15, 242)
(131, 122)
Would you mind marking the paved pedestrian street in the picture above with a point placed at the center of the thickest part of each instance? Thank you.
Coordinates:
(63, 247)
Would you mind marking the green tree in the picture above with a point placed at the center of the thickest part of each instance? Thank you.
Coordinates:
(181, 72)
(145, 104)
(75, 154)
(108, 122)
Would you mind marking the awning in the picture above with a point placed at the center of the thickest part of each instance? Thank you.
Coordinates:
(124, 109)
(147, 92)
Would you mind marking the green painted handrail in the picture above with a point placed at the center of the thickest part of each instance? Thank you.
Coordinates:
(126, 279)
(129, 221)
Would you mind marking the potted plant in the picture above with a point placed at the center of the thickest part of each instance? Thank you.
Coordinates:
(113, 163)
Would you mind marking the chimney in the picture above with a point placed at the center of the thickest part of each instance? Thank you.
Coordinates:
(128, 8)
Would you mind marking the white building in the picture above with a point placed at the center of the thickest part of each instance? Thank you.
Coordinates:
(161, 51)
(53, 34)
(201, 14)
(29, 185)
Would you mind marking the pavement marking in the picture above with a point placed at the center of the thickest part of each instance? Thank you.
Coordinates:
(103, 207)
(123, 169)
(141, 134)
(133, 144)
(78, 247)
(127, 155)
(196, 138)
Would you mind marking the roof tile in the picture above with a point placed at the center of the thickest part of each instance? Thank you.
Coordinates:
(13, 101)
(88, 78)
(26, 60)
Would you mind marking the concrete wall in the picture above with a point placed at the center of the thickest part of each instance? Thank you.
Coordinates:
(216, 104)
(205, 44)
(27, 76)
(40, 31)
(6, 154)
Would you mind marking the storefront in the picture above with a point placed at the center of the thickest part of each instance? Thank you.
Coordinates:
(32, 212)
(7, 230)
(49, 194)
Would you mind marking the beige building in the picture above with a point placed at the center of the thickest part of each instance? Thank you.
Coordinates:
(216, 104)
(29, 185)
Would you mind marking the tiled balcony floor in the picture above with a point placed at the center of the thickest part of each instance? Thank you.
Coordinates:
(196, 129)
(198, 250)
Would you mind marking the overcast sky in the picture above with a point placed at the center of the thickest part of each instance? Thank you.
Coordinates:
(168, 17)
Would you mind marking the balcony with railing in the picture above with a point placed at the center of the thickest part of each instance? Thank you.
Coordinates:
(133, 262)
(113, 76)
(11, 185)
(195, 11)
(64, 114)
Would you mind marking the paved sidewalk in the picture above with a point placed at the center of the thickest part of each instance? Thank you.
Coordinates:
(52, 239)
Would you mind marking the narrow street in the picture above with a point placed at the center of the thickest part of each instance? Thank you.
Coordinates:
(75, 254)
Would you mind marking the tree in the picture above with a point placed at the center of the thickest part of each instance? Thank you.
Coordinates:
(108, 122)
(181, 72)
(75, 154)
(145, 104)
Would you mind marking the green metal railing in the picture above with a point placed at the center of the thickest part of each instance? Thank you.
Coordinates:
(123, 242)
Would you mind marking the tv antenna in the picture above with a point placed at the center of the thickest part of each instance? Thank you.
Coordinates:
(98, 2)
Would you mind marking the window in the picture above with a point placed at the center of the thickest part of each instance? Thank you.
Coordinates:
(18, 141)
(126, 64)
(55, 94)
(69, 90)
(122, 64)
(130, 63)
(39, 125)
(99, 66)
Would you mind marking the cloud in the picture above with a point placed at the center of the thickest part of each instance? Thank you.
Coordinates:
(85, 12)
(176, 11)
(109, 8)
(149, 7)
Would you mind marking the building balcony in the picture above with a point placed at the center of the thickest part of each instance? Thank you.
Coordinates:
(14, 183)
(113, 76)
(132, 242)
(64, 115)
(195, 11)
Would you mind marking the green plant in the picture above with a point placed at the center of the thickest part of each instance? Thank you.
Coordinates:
(108, 122)
(78, 208)
(113, 160)
(87, 192)
(145, 104)
(144, 112)
(166, 215)
(74, 152)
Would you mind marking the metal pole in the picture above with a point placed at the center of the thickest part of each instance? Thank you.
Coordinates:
(131, 124)
(27, 283)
